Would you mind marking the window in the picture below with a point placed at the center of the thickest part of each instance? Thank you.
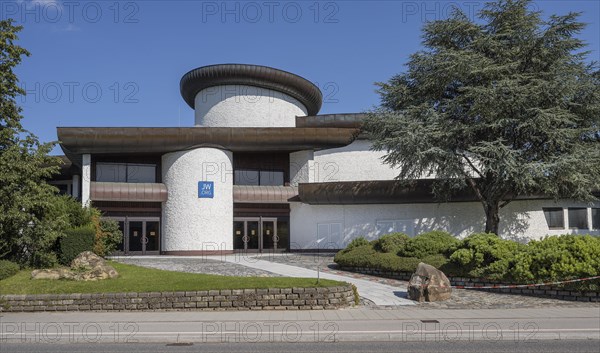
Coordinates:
(393, 226)
(555, 218)
(126, 173)
(595, 218)
(329, 235)
(258, 177)
(578, 218)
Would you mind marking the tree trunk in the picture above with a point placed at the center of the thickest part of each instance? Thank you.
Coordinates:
(492, 217)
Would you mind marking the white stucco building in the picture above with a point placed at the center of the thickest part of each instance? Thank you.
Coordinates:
(262, 171)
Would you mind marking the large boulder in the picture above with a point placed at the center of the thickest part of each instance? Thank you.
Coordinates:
(87, 266)
(429, 284)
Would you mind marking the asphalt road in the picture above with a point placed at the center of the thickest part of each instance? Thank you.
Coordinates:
(546, 346)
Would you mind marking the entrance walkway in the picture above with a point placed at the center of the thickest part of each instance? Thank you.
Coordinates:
(378, 293)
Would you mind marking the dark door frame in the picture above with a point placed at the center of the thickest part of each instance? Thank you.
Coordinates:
(144, 221)
(260, 221)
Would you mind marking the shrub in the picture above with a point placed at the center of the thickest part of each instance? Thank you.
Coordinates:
(355, 255)
(557, 258)
(8, 269)
(430, 243)
(107, 236)
(485, 255)
(356, 242)
(365, 256)
(391, 243)
(76, 241)
(437, 261)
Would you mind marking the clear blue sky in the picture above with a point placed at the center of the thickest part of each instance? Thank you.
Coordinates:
(135, 52)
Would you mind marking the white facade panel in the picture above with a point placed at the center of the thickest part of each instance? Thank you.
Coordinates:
(520, 220)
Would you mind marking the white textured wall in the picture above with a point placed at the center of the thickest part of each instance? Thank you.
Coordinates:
(86, 179)
(352, 163)
(190, 223)
(302, 167)
(246, 106)
(520, 220)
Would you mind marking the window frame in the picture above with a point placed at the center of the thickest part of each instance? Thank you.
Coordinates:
(585, 218)
(557, 209)
(127, 165)
(259, 177)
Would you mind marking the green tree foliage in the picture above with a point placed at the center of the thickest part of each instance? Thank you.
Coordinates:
(503, 106)
(75, 241)
(28, 223)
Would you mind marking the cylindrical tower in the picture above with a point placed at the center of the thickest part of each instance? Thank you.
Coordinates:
(235, 95)
(197, 221)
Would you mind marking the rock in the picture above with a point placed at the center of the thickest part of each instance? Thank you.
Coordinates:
(429, 284)
(87, 266)
(87, 259)
(45, 274)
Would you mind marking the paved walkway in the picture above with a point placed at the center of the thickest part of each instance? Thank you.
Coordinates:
(378, 293)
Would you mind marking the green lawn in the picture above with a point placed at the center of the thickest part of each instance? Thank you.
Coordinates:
(140, 279)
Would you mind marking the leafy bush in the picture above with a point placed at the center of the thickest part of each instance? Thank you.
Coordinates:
(366, 256)
(107, 236)
(76, 241)
(391, 243)
(356, 242)
(430, 243)
(437, 261)
(485, 255)
(557, 258)
(355, 255)
(8, 269)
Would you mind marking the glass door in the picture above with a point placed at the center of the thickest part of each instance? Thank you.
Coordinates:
(269, 234)
(252, 235)
(255, 233)
(136, 237)
(151, 234)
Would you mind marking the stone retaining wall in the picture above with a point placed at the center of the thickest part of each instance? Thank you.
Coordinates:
(555, 292)
(239, 299)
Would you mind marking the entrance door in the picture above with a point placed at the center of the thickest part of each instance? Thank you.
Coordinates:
(255, 234)
(141, 236)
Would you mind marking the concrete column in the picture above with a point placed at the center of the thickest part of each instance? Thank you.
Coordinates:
(86, 179)
(194, 224)
(302, 167)
(75, 187)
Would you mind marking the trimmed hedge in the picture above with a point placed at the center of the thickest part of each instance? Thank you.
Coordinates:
(391, 243)
(430, 243)
(485, 256)
(76, 241)
(8, 269)
(366, 256)
(481, 255)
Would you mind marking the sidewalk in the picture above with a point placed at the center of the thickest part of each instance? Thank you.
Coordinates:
(378, 293)
(358, 324)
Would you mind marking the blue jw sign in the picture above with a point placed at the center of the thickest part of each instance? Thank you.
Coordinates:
(206, 189)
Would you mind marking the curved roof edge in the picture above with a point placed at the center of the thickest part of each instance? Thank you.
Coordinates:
(253, 75)
(78, 140)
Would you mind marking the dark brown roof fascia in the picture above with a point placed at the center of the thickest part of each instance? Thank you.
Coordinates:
(78, 140)
(379, 192)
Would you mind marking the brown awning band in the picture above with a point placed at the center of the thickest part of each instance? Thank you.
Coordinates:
(263, 194)
(139, 192)
(381, 192)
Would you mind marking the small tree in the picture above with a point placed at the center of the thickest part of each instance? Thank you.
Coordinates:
(506, 107)
(29, 225)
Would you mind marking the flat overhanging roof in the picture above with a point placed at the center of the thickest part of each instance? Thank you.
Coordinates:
(133, 140)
